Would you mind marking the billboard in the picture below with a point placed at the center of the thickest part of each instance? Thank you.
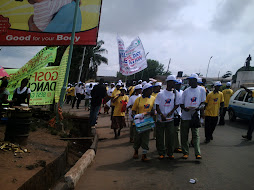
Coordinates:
(48, 22)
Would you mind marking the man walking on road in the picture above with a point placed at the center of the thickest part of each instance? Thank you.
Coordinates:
(78, 92)
(166, 102)
(191, 99)
(214, 101)
(227, 93)
(98, 93)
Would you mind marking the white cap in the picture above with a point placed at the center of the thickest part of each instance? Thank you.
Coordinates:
(193, 76)
(118, 84)
(158, 84)
(179, 81)
(139, 86)
(105, 83)
(217, 83)
(150, 82)
(171, 77)
(113, 83)
(146, 86)
(143, 83)
(123, 88)
(140, 81)
(120, 81)
(200, 81)
(228, 84)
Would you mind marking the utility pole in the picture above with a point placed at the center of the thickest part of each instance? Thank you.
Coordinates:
(208, 66)
(168, 65)
(82, 63)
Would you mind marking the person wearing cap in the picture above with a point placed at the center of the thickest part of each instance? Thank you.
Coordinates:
(118, 120)
(68, 94)
(71, 93)
(227, 93)
(250, 96)
(214, 101)
(177, 116)
(191, 100)
(140, 82)
(166, 103)
(132, 88)
(98, 93)
(136, 94)
(143, 83)
(143, 104)
(156, 89)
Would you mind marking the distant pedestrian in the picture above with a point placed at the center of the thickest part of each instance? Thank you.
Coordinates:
(115, 93)
(227, 93)
(143, 104)
(166, 102)
(118, 120)
(97, 94)
(136, 94)
(71, 93)
(88, 96)
(78, 93)
(191, 99)
(214, 101)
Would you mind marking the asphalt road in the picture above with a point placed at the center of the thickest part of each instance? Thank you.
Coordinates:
(228, 163)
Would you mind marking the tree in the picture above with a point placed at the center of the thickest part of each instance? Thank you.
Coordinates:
(92, 60)
(227, 74)
(153, 69)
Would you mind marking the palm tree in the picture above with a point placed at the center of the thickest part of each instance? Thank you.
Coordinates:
(93, 55)
(92, 60)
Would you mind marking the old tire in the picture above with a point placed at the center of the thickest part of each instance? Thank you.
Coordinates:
(231, 114)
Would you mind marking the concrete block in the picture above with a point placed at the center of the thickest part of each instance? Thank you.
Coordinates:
(74, 174)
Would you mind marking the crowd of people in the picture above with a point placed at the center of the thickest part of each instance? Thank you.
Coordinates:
(175, 112)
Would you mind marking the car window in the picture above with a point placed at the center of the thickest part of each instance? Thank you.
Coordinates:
(240, 96)
(249, 98)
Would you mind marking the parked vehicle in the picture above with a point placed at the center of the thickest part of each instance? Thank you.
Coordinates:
(241, 105)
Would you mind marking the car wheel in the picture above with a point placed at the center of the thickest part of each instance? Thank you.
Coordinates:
(232, 116)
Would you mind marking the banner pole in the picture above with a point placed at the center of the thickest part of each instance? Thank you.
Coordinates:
(63, 90)
(82, 63)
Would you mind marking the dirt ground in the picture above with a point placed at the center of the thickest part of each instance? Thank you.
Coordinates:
(41, 145)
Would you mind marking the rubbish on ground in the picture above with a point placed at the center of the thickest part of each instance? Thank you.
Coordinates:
(7, 146)
(193, 181)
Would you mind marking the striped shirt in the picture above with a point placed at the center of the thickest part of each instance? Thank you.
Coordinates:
(45, 11)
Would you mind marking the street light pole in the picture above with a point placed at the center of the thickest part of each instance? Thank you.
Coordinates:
(208, 66)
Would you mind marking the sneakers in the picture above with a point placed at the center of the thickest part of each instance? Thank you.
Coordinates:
(161, 157)
(198, 157)
(178, 150)
(144, 158)
(185, 156)
(246, 137)
(135, 156)
(171, 157)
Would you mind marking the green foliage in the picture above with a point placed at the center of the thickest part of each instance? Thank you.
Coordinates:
(93, 58)
(153, 69)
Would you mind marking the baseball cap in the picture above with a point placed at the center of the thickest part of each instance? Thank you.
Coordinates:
(146, 86)
(140, 81)
(138, 87)
(118, 84)
(228, 84)
(143, 83)
(200, 81)
(179, 81)
(217, 83)
(158, 84)
(193, 76)
(113, 83)
(171, 77)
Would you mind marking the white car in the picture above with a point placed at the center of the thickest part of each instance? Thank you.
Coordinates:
(241, 105)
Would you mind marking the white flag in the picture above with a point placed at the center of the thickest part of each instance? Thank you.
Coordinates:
(133, 59)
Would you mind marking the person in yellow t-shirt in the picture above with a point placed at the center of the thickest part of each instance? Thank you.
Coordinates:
(156, 89)
(227, 93)
(118, 120)
(113, 95)
(131, 88)
(71, 93)
(143, 104)
(214, 101)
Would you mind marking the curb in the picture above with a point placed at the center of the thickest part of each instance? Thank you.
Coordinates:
(73, 175)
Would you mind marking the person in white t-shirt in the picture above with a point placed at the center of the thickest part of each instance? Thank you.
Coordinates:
(88, 96)
(177, 118)
(191, 100)
(22, 94)
(137, 93)
(167, 101)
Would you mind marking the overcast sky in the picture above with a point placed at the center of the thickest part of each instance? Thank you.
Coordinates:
(187, 31)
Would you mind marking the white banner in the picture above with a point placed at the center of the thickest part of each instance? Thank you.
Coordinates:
(133, 59)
